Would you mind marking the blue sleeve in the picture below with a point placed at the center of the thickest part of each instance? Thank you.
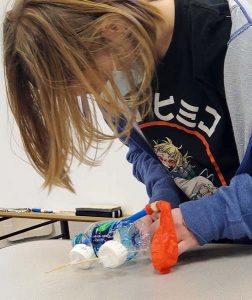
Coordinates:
(158, 181)
(225, 214)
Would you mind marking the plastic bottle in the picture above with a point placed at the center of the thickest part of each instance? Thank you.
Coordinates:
(111, 242)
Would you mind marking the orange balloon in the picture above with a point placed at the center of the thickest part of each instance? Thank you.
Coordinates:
(164, 244)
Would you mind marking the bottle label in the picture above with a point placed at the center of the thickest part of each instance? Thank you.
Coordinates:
(102, 233)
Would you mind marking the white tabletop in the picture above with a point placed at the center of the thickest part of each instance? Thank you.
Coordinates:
(211, 272)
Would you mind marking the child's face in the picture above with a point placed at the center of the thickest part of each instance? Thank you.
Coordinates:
(106, 66)
(108, 61)
(108, 70)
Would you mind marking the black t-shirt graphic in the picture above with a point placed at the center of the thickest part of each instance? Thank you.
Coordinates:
(190, 129)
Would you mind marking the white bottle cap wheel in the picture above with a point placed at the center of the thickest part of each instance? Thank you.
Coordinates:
(112, 254)
(82, 252)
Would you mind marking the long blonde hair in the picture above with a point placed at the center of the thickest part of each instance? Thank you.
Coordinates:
(50, 49)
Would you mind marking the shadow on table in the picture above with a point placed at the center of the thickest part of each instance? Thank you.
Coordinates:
(214, 251)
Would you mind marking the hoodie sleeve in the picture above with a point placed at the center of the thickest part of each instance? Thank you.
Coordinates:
(158, 181)
(228, 212)
(225, 214)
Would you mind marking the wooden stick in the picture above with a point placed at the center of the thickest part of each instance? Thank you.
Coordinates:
(72, 264)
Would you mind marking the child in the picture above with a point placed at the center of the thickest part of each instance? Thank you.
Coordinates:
(228, 213)
(155, 70)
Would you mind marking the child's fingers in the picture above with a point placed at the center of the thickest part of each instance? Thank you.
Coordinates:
(155, 216)
(187, 244)
(183, 246)
(147, 220)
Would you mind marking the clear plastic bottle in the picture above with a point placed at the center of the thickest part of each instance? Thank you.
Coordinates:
(112, 242)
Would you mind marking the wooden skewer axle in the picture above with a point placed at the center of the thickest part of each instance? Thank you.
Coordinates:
(72, 264)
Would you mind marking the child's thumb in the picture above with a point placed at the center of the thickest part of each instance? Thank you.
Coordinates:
(183, 246)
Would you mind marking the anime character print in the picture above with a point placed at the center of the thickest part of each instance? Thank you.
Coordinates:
(184, 173)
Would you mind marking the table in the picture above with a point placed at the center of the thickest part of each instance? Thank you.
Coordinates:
(212, 272)
(63, 218)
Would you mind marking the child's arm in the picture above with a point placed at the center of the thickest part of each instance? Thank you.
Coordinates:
(158, 181)
(186, 239)
(225, 214)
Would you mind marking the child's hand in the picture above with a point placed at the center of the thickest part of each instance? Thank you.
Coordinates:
(186, 239)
